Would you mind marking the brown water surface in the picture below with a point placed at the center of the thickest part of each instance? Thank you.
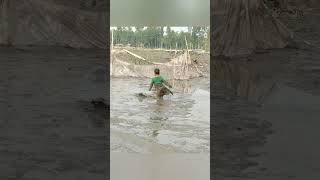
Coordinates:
(178, 123)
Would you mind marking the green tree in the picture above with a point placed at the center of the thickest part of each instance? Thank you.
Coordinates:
(161, 37)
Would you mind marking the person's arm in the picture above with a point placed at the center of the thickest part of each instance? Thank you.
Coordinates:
(166, 83)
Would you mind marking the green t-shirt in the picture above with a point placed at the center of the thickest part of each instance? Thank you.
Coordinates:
(158, 80)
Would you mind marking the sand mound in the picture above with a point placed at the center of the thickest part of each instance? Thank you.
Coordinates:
(180, 67)
(244, 26)
(45, 22)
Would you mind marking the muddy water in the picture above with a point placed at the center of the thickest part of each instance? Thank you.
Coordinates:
(178, 123)
(45, 133)
(260, 104)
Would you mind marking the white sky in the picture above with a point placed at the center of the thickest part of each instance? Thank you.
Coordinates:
(174, 28)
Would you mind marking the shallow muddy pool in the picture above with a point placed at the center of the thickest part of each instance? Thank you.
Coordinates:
(176, 123)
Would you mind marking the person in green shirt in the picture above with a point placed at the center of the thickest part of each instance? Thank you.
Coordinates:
(158, 82)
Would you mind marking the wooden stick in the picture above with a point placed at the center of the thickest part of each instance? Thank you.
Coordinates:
(135, 55)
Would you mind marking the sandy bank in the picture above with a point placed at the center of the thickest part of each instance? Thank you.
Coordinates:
(126, 166)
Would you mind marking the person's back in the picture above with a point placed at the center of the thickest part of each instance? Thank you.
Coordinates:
(158, 82)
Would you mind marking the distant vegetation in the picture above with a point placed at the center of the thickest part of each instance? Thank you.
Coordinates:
(160, 37)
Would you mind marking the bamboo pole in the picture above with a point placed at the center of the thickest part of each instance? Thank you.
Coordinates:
(186, 67)
(112, 56)
(111, 40)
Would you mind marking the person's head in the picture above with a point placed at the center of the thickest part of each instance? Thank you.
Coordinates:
(157, 71)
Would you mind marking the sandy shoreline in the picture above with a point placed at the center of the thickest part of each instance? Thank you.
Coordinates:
(184, 166)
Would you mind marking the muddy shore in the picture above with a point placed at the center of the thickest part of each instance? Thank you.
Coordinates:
(266, 108)
(184, 166)
(48, 128)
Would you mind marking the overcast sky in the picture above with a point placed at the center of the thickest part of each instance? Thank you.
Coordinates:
(177, 29)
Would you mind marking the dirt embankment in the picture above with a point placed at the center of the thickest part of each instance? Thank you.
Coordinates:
(201, 59)
(161, 55)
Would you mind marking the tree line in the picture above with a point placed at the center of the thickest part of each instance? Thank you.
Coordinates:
(161, 37)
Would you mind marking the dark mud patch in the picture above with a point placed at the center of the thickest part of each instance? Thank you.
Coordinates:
(247, 133)
(236, 132)
(46, 133)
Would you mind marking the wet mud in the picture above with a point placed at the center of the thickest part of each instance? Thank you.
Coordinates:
(265, 110)
(49, 129)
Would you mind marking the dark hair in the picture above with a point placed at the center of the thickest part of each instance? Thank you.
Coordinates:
(157, 71)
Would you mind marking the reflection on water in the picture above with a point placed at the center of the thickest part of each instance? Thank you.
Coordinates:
(243, 80)
(240, 90)
(242, 129)
(178, 123)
